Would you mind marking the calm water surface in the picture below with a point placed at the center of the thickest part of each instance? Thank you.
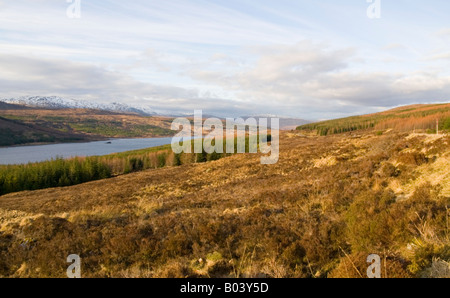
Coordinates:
(26, 154)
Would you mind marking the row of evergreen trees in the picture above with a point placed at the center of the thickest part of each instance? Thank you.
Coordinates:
(54, 173)
(325, 130)
(66, 172)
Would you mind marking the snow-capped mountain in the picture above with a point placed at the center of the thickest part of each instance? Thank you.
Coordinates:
(56, 102)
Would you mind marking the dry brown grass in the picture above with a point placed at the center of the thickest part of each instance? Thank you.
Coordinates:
(292, 219)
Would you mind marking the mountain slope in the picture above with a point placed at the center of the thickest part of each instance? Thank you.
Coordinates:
(13, 132)
(407, 118)
(7, 106)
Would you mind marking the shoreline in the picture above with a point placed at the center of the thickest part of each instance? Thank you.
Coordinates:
(106, 139)
(27, 154)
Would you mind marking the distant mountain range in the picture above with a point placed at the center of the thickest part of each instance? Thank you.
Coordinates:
(55, 102)
(286, 123)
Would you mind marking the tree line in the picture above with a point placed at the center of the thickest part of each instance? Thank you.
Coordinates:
(61, 172)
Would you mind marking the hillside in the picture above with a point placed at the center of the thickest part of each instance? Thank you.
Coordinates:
(7, 106)
(21, 125)
(14, 132)
(319, 212)
(407, 118)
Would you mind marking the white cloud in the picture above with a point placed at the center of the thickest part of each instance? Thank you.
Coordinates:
(443, 32)
(442, 56)
(32, 76)
(225, 56)
(394, 46)
(312, 75)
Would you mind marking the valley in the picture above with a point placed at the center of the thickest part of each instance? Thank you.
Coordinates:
(328, 203)
(240, 146)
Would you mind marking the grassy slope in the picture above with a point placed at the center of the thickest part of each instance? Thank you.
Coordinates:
(419, 117)
(79, 124)
(320, 211)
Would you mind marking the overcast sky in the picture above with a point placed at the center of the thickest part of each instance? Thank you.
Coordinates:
(302, 58)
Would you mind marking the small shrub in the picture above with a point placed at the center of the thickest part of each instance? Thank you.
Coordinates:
(413, 158)
(446, 124)
(201, 157)
(177, 160)
(161, 160)
(389, 170)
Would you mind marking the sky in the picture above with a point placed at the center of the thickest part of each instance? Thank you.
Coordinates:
(300, 58)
